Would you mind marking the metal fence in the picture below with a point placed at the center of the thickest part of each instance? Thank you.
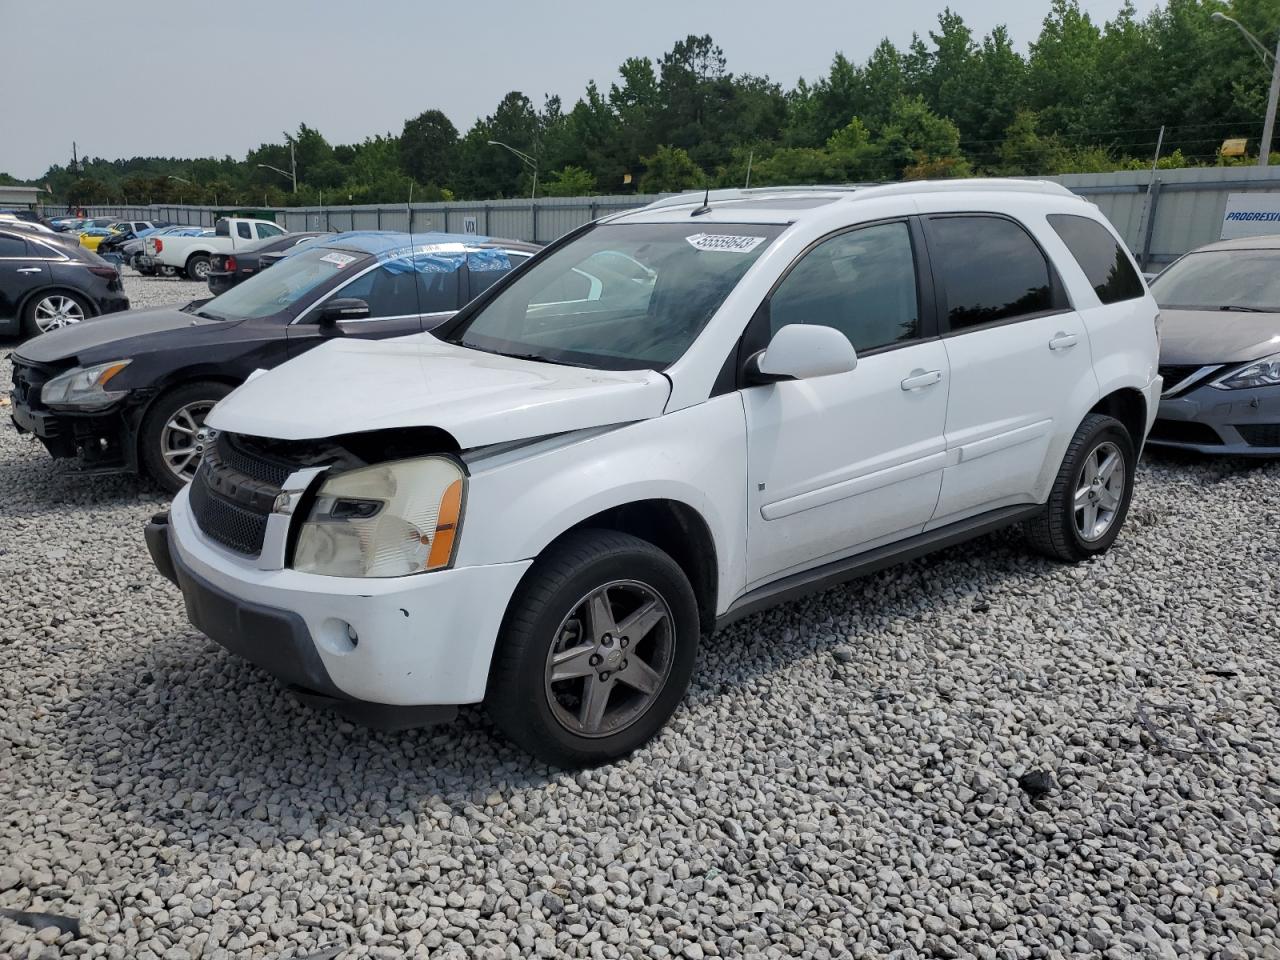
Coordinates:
(1160, 217)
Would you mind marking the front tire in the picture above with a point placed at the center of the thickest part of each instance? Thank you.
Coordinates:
(1090, 497)
(198, 268)
(168, 437)
(597, 649)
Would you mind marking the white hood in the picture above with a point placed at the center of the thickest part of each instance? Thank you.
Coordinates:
(354, 386)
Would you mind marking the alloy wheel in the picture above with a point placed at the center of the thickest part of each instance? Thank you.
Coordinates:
(1099, 491)
(610, 658)
(56, 311)
(178, 444)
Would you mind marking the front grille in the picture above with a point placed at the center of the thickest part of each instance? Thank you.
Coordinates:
(236, 527)
(232, 452)
(1185, 431)
(28, 381)
(1174, 374)
(1260, 434)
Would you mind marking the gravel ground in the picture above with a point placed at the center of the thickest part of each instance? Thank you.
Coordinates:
(978, 754)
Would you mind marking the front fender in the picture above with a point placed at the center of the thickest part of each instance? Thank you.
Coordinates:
(517, 505)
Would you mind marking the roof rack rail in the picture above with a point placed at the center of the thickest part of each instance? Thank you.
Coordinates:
(744, 193)
(969, 185)
(867, 190)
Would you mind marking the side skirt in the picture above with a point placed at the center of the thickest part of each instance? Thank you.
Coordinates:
(873, 561)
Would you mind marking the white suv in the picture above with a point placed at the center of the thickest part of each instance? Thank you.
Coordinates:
(667, 420)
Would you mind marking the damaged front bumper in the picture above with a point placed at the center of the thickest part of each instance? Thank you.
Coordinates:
(104, 442)
(393, 652)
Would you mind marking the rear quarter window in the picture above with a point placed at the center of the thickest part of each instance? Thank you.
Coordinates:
(1104, 262)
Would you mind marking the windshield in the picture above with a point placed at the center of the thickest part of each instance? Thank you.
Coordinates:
(283, 285)
(619, 297)
(1246, 280)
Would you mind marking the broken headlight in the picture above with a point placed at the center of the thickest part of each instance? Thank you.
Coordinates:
(389, 520)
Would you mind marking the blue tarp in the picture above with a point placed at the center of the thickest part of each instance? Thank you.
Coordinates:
(423, 252)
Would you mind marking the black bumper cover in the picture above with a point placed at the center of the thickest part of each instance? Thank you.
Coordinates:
(276, 640)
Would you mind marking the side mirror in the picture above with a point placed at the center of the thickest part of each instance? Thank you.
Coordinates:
(799, 352)
(343, 308)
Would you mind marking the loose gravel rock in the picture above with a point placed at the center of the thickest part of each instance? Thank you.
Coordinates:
(842, 781)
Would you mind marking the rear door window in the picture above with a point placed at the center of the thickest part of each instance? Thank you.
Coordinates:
(12, 247)
(242, 231)
(396, 289)
(991, 271)
(1104, 262)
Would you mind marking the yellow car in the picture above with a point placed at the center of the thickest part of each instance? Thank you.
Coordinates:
(91, 234)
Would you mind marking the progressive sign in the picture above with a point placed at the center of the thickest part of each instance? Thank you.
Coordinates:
(1251, 215)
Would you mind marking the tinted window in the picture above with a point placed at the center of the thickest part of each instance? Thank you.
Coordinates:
(1103, 260)
(12, 246)
(482, 280)
(394, 289)
(242, 229)
(863, 283)
(991, 270)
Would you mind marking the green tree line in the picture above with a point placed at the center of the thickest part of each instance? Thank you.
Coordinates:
(1085, 97)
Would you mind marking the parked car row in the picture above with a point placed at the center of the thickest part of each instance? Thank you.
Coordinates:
(167, 367)
(582, 458)
(47, 282)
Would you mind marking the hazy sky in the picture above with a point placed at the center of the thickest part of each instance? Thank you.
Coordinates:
(219, 77)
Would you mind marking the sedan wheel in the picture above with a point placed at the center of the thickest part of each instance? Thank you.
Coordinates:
(178, 445)
(610, 658)
(55, 311)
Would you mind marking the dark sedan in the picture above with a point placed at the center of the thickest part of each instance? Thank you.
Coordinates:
(1220, 349)
(228, 269)
(131, 392)
(47, 283)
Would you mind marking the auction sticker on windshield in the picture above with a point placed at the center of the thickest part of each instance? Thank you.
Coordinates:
(339, 260)
(724, 243)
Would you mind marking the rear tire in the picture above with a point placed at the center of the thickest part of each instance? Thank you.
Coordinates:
(628, 611)
(1090, 497)
(198, 268)
(53, 310)
(167, 442)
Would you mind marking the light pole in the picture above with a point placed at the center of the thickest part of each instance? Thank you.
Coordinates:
(1268, 128)
(181, 180)
(528, 161)
(291, 173)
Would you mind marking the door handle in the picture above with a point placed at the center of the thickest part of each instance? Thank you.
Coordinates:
(1063, 341)
(922, 378)
(28, 269)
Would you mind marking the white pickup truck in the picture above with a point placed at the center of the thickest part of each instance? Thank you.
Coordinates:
(191, 255)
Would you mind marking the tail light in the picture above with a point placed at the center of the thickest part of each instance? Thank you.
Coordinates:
(107, 273)
(159, 245)
(229, 264)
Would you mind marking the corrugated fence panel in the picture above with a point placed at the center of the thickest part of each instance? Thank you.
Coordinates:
(1189, 206)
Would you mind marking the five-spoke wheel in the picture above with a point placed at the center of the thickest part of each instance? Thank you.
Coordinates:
(596, 650)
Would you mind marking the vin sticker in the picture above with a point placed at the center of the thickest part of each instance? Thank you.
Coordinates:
(339, 260)
(724, 243)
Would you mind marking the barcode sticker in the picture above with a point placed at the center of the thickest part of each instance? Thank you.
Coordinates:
(724, 243)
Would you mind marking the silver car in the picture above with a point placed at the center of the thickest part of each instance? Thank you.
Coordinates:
(1220, 349)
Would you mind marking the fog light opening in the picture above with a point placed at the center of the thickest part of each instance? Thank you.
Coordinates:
(338, 636)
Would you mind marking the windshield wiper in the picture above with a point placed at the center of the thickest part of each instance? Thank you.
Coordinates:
(536, 357)
(209, 316)
(1239, 309)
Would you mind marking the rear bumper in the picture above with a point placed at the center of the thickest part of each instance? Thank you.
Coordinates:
(1238, 423)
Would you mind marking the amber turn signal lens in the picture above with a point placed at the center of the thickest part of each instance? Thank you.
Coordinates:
(446, 527)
